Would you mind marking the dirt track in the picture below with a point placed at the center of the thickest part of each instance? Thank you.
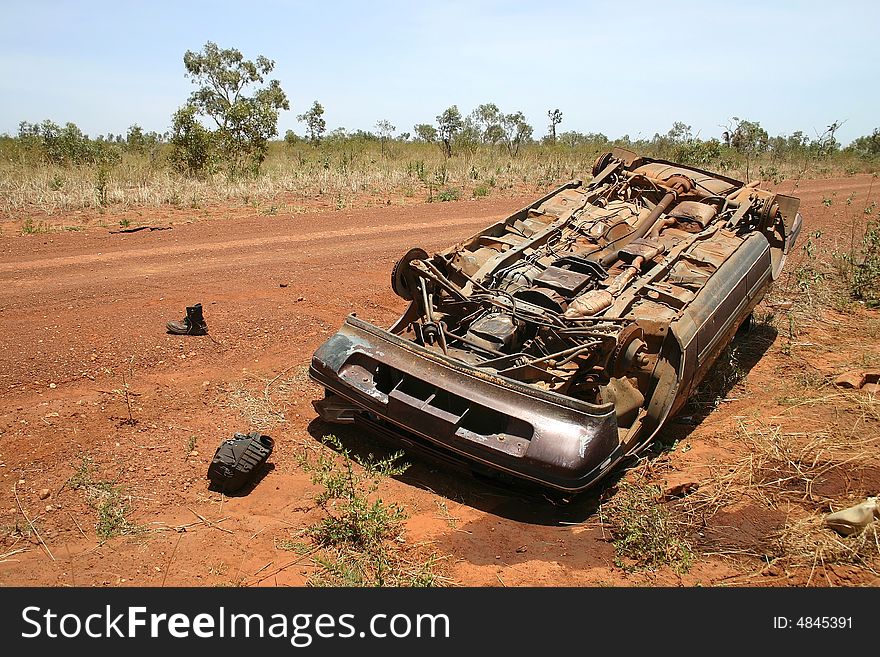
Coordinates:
(79, 311)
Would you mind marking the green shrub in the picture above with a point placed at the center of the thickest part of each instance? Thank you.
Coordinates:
(643, 530)
(102, 182)
(351, 518)
(360, 534)
(862, 268)
(65, 146)
(191, 143)
(107, 498)
(449, 194)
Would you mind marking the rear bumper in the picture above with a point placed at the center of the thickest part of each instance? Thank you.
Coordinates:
(465, 413)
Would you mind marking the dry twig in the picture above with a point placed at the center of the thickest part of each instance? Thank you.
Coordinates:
(33, 529)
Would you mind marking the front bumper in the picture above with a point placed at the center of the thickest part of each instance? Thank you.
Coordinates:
(465, 413)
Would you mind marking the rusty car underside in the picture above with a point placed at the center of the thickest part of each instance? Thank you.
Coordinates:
(558, 341)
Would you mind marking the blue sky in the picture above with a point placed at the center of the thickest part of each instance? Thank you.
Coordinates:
(625, 67)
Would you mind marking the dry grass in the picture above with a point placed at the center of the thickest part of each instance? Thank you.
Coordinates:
(784, 467)
(861, 407)
(7, 556)
(806, 542)
(255, 405)
(780, 469)
(289, 177)
(263, 402)
(340, 173)
(791, 474)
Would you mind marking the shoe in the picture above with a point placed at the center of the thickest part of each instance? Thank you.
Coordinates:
(854, 519)
(193, 324)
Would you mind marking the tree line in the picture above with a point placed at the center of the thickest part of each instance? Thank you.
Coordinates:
(229, 119)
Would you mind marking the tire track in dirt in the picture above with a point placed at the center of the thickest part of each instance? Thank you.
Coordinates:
(385, 230)
(65, 295)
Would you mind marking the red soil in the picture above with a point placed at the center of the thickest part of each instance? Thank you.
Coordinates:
(81, 309)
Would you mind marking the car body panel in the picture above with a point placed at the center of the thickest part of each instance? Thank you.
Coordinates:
(558, 341)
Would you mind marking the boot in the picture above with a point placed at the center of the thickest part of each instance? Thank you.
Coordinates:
(193, 324)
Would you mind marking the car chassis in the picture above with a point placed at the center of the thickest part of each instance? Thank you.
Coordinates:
(557, 342)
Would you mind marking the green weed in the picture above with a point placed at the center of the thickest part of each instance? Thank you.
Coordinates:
(107, 498)
(289, 545)
(861, 271)
(360, 535)
(643, 531)
(351, 518)
(449, 194)
(102, 183)
(29, 227)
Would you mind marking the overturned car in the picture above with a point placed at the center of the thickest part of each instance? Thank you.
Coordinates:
(555, 343)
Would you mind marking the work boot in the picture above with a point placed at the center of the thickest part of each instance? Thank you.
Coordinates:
(193, 324)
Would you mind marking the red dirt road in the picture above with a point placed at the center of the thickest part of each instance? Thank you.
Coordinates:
(82, 320)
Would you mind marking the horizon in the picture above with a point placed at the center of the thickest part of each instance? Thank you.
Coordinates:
(92, 65)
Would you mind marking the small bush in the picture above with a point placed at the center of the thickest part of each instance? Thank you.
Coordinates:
(107, 499)
(360, 534)
(810, 276)
(481, 191)
(29, 227)
(449, 194)
(192, 145)
(102, 182)
(862, 270)
(643, 531)
(351, 518)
